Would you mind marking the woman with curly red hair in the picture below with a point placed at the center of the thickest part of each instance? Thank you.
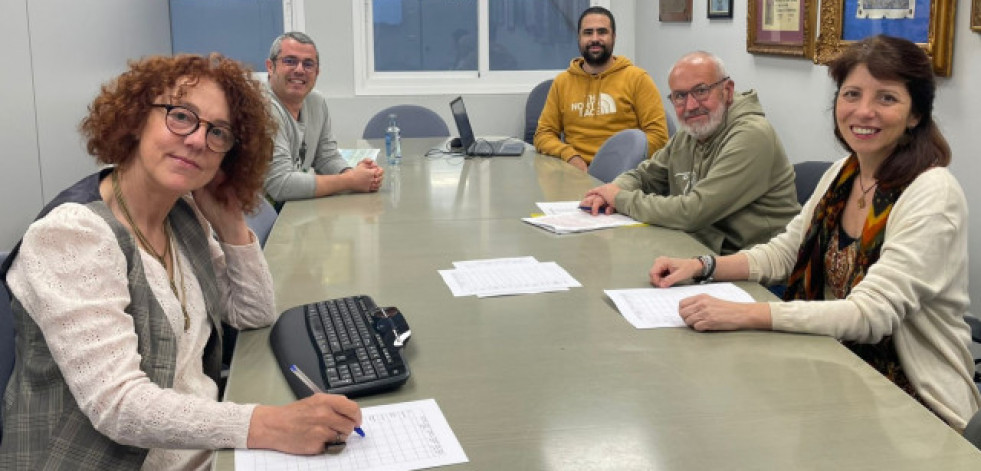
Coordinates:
(119, 287)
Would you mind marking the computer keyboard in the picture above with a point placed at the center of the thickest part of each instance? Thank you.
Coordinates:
(346, 346)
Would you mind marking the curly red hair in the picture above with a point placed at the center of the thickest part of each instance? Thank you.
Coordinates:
(117, 114)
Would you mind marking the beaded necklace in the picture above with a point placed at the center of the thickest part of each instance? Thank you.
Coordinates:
(118, 194)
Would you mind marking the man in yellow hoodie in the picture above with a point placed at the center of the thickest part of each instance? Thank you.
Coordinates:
(599, 95)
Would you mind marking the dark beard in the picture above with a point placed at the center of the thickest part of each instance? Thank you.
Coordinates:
(599, 60)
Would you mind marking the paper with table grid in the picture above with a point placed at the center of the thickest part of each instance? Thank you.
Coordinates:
(398, 437)
(649, 308)
(506, 276)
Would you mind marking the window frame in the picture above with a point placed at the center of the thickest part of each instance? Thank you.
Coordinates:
(367, 82)
(293, 20)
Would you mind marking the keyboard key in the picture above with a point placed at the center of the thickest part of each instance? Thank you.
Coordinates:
(354, 356)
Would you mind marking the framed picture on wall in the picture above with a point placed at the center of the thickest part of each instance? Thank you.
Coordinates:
(976, 15)
(929, 23)
(674, 11)
(783, 27)
(720, 8)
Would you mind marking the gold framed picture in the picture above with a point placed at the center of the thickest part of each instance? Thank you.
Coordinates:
(782, 27)
(929, 23)
(976, 15)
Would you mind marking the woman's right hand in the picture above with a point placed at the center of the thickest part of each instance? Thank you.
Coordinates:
(304, 427)
(668, 271)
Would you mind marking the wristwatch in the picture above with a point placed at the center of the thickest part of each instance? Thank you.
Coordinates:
(708, 269)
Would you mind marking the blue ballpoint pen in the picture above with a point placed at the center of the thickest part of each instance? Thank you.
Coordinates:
(590, 208)
(313, 387)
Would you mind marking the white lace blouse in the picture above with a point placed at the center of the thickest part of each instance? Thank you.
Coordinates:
(70, 275)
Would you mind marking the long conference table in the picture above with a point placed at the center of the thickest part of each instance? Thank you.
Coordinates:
(560, 380)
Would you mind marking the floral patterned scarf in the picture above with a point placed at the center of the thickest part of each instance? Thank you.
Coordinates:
(808, 277)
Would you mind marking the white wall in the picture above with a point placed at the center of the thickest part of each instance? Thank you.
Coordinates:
(76, 46)
(58, 52)
(19, 166)
(796, 93)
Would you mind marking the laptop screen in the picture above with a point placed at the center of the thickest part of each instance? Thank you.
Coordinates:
(462, 123)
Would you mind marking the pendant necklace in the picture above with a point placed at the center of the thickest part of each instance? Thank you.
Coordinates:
(118, 194)
(861, 198)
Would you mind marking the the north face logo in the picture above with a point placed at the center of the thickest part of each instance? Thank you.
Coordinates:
(606, 105)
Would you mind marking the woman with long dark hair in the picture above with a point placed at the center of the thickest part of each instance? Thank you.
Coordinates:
(878, 256)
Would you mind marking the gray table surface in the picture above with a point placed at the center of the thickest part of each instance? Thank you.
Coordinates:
(561, 380)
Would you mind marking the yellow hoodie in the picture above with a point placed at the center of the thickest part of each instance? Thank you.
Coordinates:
(588, 109)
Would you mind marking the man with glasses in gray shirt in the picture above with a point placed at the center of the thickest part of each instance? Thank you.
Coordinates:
(724, 177)
(305, 161)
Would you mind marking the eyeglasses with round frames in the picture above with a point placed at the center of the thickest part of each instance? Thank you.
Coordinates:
(289, 61)
(700, 92)
(184, 122)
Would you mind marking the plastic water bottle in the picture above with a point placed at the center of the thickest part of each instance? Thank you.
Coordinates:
(393, 141)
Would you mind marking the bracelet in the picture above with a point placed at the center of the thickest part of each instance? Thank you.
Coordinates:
(708, 269)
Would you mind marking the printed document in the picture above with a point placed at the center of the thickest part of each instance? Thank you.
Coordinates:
(506, 276)
(398, 437)
(564, 217)
(649, 308)
(496, 262)
(558, 207)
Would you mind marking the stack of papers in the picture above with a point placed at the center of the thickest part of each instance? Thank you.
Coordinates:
(648, 308)
(563, 217)
(506, 276)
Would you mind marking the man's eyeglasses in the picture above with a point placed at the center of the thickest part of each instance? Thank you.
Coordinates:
(184, 122)
(699, 92)
(308, 64)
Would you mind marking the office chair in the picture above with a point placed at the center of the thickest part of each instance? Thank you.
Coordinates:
(621, 152)
(973, 430)
(807, 176)
(413, 121)
(668, 113)
(533, 108)
(261, 220)
(6, 339)
(975, 324)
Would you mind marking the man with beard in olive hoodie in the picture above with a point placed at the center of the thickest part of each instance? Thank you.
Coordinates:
(724, 177)
(598, 96)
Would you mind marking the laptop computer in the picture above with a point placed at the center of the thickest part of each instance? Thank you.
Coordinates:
(481, 147)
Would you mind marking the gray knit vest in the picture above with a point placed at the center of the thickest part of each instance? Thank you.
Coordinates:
(43, 428)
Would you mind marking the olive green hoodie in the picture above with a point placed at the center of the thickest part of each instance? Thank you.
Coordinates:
(732, 191)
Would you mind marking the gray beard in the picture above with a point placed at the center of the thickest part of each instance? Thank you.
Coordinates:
(701, 131)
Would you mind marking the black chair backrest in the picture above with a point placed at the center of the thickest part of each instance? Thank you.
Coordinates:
(808, 175)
